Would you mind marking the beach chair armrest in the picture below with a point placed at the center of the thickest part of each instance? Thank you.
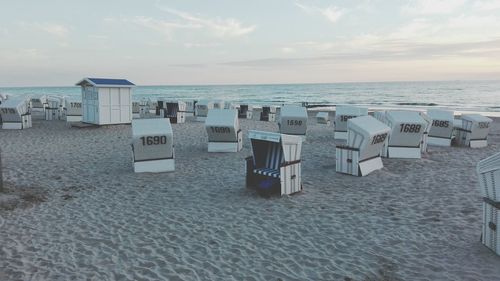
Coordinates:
(492, 203)
(347, 147)
(284, 164)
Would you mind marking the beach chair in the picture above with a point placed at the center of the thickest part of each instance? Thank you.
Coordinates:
(73, 109)
(245, 111)
(160, 105)
(323, 118)
(60, 113)
(223, 130)
(152, 145)
(136, 109)
(407, 130)
(190, 107)
(175, 111)
(15, 114)
(380, 116)
(145, 106)
(293, 121)
(366, 137)
(491, 225)
(473, 131)
(342, 114)
(37, 104)
(202, 108)
(52, 108)
(441, 132)
(425, 135)
(275, 165)
(219, 104)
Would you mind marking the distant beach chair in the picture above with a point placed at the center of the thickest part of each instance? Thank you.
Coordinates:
(342, 114)
(293, 121)
(37, 104)
(73, 109)
(264, 113)
(145, 106)
(15, 114)
(323, 118)
(425, 135)
(152, 145)
(202, 108)
(219, 104)
(136, 109)
(245, 111)
(441, 132)
(223, 130)
(52, 108)
(366, 137)
(275, 166)
(488, 171)
(407, 130)
(60, 114)
(160, 105)
(175, 111)
(473, 131)
(190, 107)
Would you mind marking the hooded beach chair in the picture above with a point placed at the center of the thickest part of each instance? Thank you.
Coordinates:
(293, 120)
(190, 107)
(323, 118)
(219, 104)
(342, 114)
(52, 108)
(175, 111)
(366, 137)
(152, 145)
(275, 166)
(37, 104)
(15, 114)
(223, 130)
(202, 108)
(145, 107)
(245, 111)
(405, 139)
(136, 109)
(473, 130)
(488, 171)
(268, 113)
(441, 132)
(425, 135)
(73, 109)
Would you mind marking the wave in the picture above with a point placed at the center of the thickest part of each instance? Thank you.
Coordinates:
(418, 103)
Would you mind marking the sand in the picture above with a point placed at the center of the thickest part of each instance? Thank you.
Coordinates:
(413, 220)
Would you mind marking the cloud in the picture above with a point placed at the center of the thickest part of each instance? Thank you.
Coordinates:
(429, 7)
(219, 27)
(331, 13)
(191, 45)
(288, 50)
(488, 5)
(54, 29)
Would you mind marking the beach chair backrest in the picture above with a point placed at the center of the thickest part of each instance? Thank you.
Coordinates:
(293, 120)
(152, 139)
(274, 156)
(407, 128)
(478, 125)
(345, 112)
(441, 124)
(368, 135)
(222, 125)
(171, 109)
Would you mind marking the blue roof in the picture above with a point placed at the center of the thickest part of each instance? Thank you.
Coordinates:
(105, 81)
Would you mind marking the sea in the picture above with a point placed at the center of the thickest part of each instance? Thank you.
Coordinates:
(477, 96)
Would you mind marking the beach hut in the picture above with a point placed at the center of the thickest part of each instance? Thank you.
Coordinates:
(342, 114)
(73, 109)
(473, 131)
(275, 166)
(366, 137)
(37, 104)
(441, 131)
(223, 129)
(407, 130)
(323, 118)
(52, 108)
(106, 101)
(245, 111)
(15, 114)
(202, 108)
(152, 145)
(488, 171)
(425, 135)
(293, 120)
(175, 111)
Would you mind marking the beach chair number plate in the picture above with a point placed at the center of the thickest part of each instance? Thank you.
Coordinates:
(379, 138)
(410, 128)
(220, 130)
(294, 122)
(156, 140)
(75, 105)
(440, 123)
(344, 118)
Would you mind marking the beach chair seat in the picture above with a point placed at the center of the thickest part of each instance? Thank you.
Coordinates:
(366, 137)
(293, 121)
(15, 114)
(405, 139)
(223, 130)
(323, 118)
(275, 165)
(342, 114)
(472, 131)
(152, 145)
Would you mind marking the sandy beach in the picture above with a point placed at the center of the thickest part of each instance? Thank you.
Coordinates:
(75, 210)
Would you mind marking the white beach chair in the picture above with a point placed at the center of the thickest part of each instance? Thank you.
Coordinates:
(190, 107)
(342, 114)
(245, 111)
(323, 118)
(52, 108)
(152, 145)
(407, 130)
(293, 121)
(264, 113)
(175, 111)
(136, 109)
(425, 135)
(366, 137)
(441, 132)
(219, 104)
(145, 107)
(223, 129)
(15, 114)
(73, 109)
(275, 166)
(37, 104)
(473, 131)
(256, 112)
(202, 108)
(491, 225)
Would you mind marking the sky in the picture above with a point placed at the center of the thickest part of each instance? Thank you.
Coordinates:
(160, 42)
